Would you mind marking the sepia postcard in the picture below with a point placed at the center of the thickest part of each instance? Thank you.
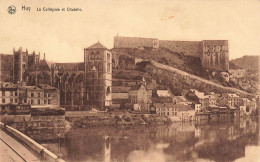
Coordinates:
(129, 80)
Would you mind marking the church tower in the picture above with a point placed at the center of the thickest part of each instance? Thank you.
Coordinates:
(20, 64)
(98, 75)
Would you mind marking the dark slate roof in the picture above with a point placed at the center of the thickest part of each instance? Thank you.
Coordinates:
(97, 46)
(71, 66)
(43, 65)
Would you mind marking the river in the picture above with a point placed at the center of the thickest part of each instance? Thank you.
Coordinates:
(182, 141)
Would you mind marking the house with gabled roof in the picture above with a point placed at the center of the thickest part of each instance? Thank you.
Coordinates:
(139, 98)
(162, 96)
(177, 112)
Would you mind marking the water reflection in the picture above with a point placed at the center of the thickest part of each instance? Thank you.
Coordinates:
(225, 141)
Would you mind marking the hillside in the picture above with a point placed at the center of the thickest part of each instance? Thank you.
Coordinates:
(176, 80)
(167, 57)
(246, 62)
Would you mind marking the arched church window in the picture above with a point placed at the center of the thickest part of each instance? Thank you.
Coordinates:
(108, 89)
(100, 67)
(92, 56)
(108, 67)
(98, 55)
(90, 66)
(108, 57)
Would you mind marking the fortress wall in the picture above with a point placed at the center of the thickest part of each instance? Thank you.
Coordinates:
(188, 48)
(133, 42)
(215, 54)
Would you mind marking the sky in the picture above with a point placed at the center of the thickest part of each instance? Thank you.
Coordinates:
(63, 35)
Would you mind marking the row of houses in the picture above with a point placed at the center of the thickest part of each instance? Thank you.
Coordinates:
(21, 96)
(142, 97)
(230, 100)
(151, 99)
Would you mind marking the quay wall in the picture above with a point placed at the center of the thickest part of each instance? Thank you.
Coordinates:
(118, 120)
(48, 155)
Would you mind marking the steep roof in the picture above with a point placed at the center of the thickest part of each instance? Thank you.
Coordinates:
(163, 93)
(200, 95)
(97, 46)
(43, 65)
(7, 85)
(180, 98)
(30, 87)
(71, 66)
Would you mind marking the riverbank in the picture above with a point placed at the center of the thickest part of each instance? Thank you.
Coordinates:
(120, 120)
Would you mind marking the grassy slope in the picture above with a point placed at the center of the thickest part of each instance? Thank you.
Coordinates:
(177, 60)
(247, 62)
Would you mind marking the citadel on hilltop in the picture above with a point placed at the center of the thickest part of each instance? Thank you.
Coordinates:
(214, 54)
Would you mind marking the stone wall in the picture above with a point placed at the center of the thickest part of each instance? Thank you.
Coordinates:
(135, 42)
(214, 54)
(188, 48)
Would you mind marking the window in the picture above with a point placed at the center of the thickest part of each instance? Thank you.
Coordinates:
(39, 94)
(100, 67)
(11, 100)
(3, 100)
(49, 101)
(45, 94)
(24, 101)
(92, 56)
(3, 93)
(89, 66)
(97, 55)
(3, 108)
(247, 109)
(108, 67)
(39, 101)
(11, 93)
(32, 94)
(49, 95)
(15, 93)
(32, 101)
(45, 101)
(15, 101)
(108, 57)
(108, 89)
